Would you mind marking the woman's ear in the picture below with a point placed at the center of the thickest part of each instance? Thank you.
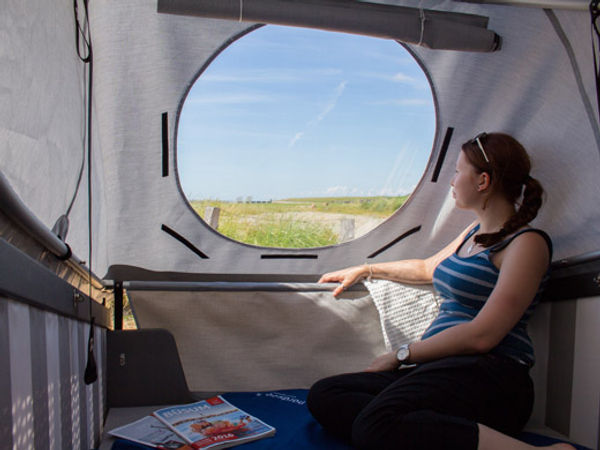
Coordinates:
(484, 181)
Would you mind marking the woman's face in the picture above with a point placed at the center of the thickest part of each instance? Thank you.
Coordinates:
(465, 184)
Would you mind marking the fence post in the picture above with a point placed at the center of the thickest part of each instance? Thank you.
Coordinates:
(346, 229)
(211, 216)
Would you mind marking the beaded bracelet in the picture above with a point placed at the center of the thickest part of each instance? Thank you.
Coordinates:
(370, 277)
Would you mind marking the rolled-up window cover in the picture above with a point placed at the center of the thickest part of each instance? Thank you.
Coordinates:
(432, 29)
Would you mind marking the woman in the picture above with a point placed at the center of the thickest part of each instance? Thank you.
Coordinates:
(465, 384)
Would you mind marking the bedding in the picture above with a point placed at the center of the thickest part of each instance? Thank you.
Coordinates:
(296, 429)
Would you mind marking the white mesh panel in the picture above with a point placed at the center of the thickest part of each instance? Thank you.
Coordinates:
(405, 311)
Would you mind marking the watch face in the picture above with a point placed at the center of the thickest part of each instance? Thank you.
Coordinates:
(402, 353)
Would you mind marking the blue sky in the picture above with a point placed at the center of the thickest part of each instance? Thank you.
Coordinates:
(288, 112)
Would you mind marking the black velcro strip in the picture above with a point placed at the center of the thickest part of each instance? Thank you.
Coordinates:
(394, 242)
(442, 155)
(289, 256)
(184, 241)
(165, 144)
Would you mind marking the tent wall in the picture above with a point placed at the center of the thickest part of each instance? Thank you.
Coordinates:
(261, 340)
(538, 87)
(43, 87)
(535, 91)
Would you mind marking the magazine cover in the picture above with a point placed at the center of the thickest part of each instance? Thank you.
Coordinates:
(213, 423)
(151, 432)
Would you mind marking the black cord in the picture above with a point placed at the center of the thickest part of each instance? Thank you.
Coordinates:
(91, 370)
(81, 33)
(89, 173)
(91, 376)
(595, 14)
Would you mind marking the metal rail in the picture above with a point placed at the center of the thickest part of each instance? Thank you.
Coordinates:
(15, 209)
(233, 286)
(584, 258)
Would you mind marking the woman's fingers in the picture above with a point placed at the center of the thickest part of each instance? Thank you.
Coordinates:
(338, 290)
(332, 277)
(336, 278)
(346, 278)
(326, 279)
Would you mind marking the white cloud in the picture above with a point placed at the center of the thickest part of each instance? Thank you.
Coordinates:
(295, 139)
(404, 102)
(417, 83)
(332, 102)
(270, 75)
(400, 190)
(403, 78)
(337, 93)
(347, 191)
(231, 99)
(336, 190)
(399, 77)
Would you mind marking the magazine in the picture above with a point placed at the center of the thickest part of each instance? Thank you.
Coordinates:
(151, 432)
(213, 423)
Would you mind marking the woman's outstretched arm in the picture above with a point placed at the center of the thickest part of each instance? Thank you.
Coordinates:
(411, 271)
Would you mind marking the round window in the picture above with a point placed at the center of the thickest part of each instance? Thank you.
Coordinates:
(300, 138)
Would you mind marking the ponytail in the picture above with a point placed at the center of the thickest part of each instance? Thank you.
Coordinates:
(527, 211)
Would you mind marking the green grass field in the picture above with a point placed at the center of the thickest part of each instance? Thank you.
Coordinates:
(285, 224)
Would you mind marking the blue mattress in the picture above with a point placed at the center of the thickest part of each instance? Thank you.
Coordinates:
(296, 429)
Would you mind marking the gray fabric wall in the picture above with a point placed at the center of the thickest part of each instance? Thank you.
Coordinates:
(147, 61)
(258, 340)
(529, 90)
(144, 64)
(43, 116)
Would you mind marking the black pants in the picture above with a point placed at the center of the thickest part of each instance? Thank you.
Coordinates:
(433, 406)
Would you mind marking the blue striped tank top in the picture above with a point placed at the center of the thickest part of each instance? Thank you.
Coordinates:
(465, 283)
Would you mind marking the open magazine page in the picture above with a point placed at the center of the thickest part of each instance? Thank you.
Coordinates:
(213, 423)
(151, 432)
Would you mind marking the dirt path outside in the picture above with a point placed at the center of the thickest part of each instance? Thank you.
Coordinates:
(362, 223)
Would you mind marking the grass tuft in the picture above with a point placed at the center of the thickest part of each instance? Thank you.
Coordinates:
(281, 224)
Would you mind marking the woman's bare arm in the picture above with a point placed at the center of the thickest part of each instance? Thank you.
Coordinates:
(411, 271)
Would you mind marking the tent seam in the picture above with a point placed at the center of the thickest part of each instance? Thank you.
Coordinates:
(576, 71)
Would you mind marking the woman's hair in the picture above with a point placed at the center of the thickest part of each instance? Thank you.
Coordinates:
(508, 165)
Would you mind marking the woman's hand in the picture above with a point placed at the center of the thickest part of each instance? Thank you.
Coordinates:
(387, 361)
(346, 278)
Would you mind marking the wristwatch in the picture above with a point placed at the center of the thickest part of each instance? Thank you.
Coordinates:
(403, 354)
